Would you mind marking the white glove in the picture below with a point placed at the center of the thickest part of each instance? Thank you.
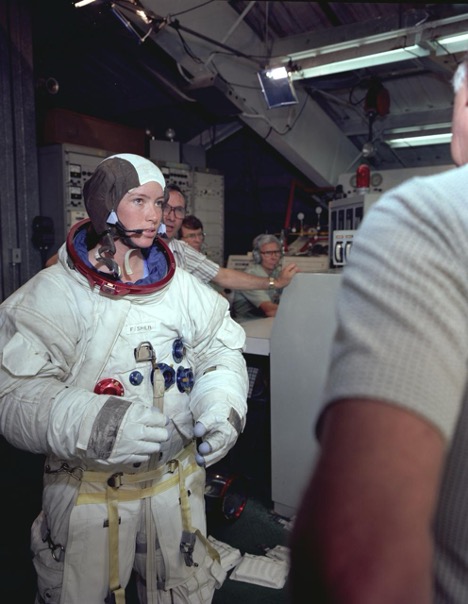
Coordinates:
(204, 448)
(140, 435)
(216, 442)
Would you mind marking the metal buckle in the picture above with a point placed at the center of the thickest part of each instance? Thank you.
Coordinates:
(186, 547)
(115, 481)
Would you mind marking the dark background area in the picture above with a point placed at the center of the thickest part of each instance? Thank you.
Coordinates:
(257, 188)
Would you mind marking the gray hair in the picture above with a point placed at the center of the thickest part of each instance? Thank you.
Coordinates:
(261, 240)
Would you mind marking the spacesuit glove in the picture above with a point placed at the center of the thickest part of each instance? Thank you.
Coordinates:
(216, 441)
(140, 434)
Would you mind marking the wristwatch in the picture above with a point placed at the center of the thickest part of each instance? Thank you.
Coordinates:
(271, 283)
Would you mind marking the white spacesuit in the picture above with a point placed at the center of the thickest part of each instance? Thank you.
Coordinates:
(86, 360)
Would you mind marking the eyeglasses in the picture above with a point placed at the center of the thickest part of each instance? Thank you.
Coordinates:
(179, 211)
(194, 236)
(273, 253)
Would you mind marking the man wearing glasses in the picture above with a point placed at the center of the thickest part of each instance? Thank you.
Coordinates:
(266, 255)
(204, 269)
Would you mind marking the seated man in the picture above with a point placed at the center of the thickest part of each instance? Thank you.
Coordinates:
(261, 303)
(191, 231)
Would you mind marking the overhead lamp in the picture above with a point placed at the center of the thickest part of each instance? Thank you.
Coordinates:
(452, 44)
(358, 62)
(277, 87)
(427, 134)
(135, 7)
(144, 16)
(420, 141)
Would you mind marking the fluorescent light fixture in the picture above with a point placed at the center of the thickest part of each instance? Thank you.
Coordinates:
(452, 44)
(442, 128)
(368, 60)
(420, 141)
(277, 87)
(81, 3)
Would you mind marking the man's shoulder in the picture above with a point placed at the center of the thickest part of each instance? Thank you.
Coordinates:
(450, 178)
(180, 247)
(256, 269)
(192, 261)
(422, 195)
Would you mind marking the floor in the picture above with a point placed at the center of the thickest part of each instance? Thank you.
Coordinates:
(256, 530)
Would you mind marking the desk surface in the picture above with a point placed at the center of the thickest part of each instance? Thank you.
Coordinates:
(258, 333)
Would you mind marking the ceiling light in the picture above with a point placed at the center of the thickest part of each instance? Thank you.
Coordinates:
(360, 62)
(369, 51)
(277, 73)
(420, 141)
(442, 128)
(277, 87)
(452, 44)
(143, 16)
(81, 3)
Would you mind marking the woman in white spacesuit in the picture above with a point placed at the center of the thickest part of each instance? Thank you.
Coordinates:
(112, 363)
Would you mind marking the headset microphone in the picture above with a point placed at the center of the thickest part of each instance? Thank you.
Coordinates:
(114, 220)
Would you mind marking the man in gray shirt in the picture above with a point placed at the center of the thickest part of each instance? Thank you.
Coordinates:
(384, 516)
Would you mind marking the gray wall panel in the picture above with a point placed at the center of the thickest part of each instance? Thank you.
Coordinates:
(19, 195)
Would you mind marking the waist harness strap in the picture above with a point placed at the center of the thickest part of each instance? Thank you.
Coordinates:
(113, 494)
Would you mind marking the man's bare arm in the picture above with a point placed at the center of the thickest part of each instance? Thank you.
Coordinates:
(233, 279)
(363, 531)
(269, 308)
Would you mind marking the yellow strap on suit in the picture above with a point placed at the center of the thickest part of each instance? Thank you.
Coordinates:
(113, 494)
